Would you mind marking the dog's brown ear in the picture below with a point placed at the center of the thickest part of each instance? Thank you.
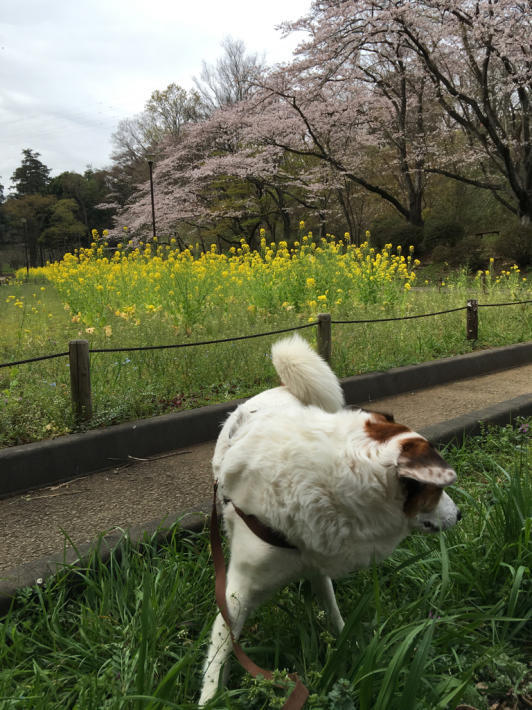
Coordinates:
(420, 460)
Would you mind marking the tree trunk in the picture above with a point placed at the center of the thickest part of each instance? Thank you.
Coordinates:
(415, 216)
(33, 249)
(525, 208)
(345, 204)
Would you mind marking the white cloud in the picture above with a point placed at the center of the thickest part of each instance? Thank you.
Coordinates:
(69, 71)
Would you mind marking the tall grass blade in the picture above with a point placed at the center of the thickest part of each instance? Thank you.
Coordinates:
(396, 665)
(417, 666)
(168, 683)
(337, 658)
(146, 632)
(445, 577)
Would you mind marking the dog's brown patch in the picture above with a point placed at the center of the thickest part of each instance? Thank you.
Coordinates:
(420, 460)
(381, 427)
(420, 497)
(418, 450)
(389, 417)
(420, 453)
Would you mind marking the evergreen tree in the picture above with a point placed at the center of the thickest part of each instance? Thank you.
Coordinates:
(88, 190)
(32, 177)
(28, 216)
(64, 229)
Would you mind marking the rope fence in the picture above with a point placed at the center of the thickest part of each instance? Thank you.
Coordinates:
(387, 320)
(32, 359)
(204, 342)
(79, 351)
(494, 305)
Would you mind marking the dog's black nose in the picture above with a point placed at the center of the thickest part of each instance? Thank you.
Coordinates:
(459, 515)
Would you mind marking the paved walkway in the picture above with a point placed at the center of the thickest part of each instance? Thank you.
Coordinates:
(33, 525)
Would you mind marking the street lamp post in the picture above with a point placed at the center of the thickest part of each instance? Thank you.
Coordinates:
(150, 164)
(25, 226)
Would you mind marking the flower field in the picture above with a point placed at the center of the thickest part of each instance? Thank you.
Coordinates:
(153, 294)
(184, 290)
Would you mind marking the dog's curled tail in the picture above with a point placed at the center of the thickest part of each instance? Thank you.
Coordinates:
(306, 375)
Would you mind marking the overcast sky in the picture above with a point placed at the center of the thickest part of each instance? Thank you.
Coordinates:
(70, 70)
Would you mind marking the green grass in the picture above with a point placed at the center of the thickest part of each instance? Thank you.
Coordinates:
(441, 622)
(35, 397)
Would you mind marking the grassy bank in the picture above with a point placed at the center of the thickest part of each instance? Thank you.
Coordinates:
(138, 299)
(442, 622)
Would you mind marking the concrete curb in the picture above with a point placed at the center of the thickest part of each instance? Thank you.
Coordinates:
(454, 430)
(26, 575)
(377, 385)
(195, 519)
(48, 462)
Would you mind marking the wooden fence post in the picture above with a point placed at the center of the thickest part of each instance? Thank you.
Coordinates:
(80, 379)
(324, 336)
(472, 319)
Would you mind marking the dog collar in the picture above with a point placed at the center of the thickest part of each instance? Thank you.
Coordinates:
(260, 529)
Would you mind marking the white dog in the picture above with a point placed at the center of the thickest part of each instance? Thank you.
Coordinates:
(332, 488)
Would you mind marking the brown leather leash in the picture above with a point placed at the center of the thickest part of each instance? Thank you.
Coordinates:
(299, 694)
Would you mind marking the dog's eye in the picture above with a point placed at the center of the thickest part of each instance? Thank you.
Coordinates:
(429, 526)
(419, 497)
(412, 490)
(411, 487)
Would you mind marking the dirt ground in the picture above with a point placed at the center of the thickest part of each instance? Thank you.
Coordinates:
(33, 525)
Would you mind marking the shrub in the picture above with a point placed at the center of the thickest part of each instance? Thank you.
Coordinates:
(390, 230)
(442, 253)
(438, 233)
(468, 252)
(515, 244)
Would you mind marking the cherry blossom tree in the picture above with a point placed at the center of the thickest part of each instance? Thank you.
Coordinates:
(380, 95)
(477, 57)
(339, 115)
(354, 100)
(217, 182)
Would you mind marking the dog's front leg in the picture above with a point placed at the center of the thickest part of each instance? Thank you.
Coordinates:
(322, 587)
(239, 605)
(256, 570)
